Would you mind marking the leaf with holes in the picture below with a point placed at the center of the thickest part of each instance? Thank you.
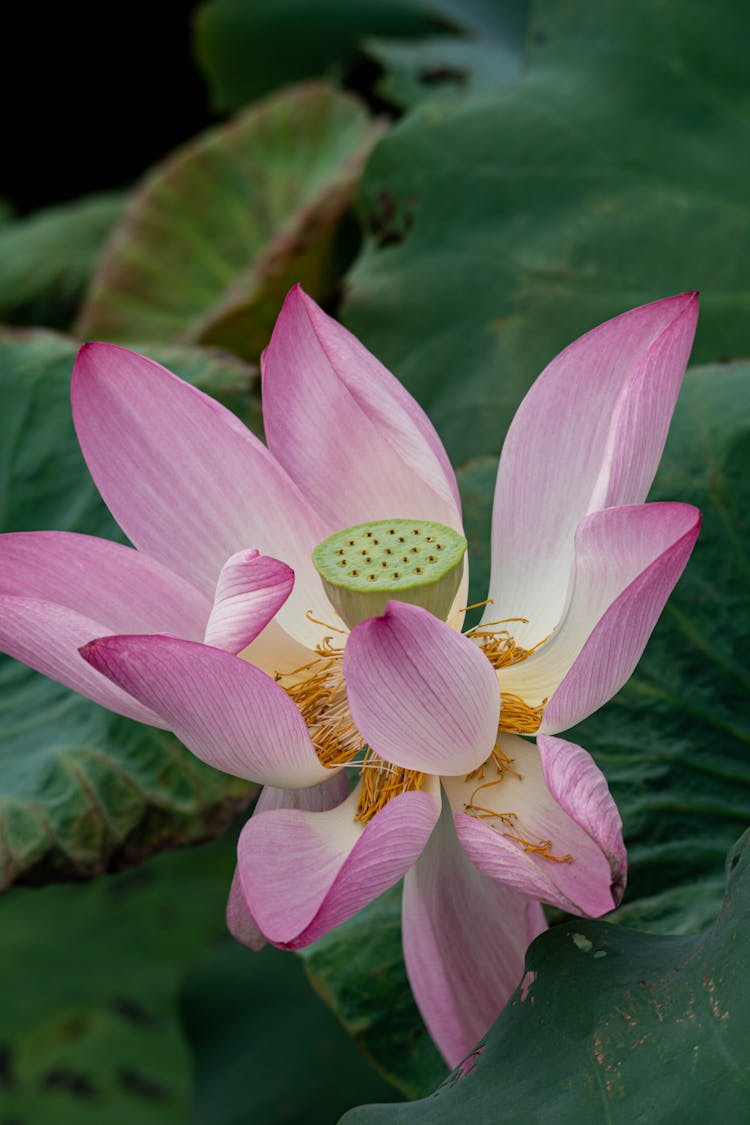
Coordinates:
(89, 975)
(84, 790)
(614, 171)
(612, 1025)
(216, 235)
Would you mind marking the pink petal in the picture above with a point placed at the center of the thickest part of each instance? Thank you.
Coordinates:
(465, 937)
(48, 637)
(227, 712)
(589, 434)
(422, 695)
(345, 430)
(122, 588)
(251, 589)
(186, 481)
(555, 834)
(626, 565)
(240, 922)
(305, 872)
(318, 798)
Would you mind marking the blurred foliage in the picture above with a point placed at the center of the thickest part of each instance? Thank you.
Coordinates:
(267, 1050)
(502, 227)
(421, 47)
(89, 1027)
(215, 236)
(673, 742)
(84, 790)
(625, 1026)
(46, 259)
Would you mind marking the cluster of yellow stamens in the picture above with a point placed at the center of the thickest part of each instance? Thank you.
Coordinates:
(528, 840)
(498, 645)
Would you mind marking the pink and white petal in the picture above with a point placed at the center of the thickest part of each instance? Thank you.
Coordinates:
(465, 936)
(422, 695)
(317, 798)
(627, 562)
(186, 481)
(251, 590)
(345, 429)
(47, 637)
(305, 872)
(589, 433)
(116, 585)
(565, 852)
(227, 712)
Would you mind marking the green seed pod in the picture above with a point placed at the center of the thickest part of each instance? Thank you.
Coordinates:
(366, 566)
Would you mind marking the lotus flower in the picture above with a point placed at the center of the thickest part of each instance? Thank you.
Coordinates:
(217, 626)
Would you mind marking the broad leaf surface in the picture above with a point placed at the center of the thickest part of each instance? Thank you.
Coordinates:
(451, 47)
(47, 259)
(266, 1049)
(84, 790)
(89, 975)
(216, 235)
(674, 743)
(615, 171)
(612, 1025)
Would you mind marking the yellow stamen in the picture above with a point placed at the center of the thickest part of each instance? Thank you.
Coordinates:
(542, 848)
(519, 717)
(321, 699)
(380, 782)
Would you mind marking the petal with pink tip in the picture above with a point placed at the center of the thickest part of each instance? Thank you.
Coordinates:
(423, 696)
(227, 712)
(251, 590)
(465, 936)
(186, 481)
(627, 561)
(589, 434)
(546, 828)
(346, 430)
(304, 872)
(122, 588)
(48, 637)
(318, 798)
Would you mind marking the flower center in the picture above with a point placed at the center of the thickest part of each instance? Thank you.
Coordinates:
(498, 645)
(366, 566)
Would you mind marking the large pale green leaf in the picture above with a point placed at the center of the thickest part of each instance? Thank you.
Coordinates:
(424, 46)
(267, 1051)
(47, 259)
(613, 1026)
(613, 172)
(82, 790)
(89, 976)
(216, 235)
(674, 743)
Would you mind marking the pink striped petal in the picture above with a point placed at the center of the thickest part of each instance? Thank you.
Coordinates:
(318, 798)
(422, 695)
(251, 590)
(465, 937)
(227, 712)
(186, 481)
(48, 637)
(305, 872)
(589, 434)
(345, 430)
(555, 832)
(627, 561)
(122, 588)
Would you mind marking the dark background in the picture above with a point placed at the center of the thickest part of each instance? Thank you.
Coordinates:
(95, 96)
